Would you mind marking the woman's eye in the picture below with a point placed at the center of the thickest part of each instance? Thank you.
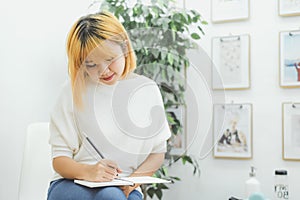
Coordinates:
(109, 59)
(91, 66)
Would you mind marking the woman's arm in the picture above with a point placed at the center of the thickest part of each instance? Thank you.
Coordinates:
(105, 170)
(147, 168)
(150, 165)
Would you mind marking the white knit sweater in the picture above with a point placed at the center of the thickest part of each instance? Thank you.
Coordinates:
(116, 118)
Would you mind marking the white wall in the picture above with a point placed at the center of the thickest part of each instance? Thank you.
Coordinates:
(33, 65)
(221, 178)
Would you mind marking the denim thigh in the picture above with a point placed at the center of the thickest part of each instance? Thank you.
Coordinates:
(65, 189)
(135, 195)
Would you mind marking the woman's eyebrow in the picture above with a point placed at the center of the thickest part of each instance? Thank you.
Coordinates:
(110, 58)
(88, 61)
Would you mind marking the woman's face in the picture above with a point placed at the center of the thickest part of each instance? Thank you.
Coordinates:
(104, 68)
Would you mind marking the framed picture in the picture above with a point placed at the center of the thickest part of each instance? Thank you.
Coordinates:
(231, 59)
(290, 131)
(232, 131)
(289, 56)
(177, 142)
(229, 10)
(289, 7)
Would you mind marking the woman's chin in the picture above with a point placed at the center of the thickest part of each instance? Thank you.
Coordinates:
(110, 82)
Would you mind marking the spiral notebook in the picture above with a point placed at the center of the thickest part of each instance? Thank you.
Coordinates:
(131, 181)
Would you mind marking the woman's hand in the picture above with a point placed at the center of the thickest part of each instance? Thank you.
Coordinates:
(147, 168)
(103, 171)
(128, 189)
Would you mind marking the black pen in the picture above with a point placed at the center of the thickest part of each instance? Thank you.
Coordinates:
(95, 148)
(101, 155)
(92, 144)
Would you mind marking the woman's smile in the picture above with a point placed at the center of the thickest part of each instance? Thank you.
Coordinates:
(108, 78)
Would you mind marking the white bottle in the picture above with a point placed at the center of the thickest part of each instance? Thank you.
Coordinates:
(281, 186)
(252, 184)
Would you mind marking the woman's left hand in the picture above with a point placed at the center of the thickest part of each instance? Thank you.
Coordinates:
(127, 190)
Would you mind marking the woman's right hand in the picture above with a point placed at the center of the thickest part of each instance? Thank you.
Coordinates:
(103, 171)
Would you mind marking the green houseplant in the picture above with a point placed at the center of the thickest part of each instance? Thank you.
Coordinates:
(161, 36)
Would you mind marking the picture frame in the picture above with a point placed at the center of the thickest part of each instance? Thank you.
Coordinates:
(288, 8)
(290, 131)
(177, 142)
(231, 60)
(289, 59)
(229, 10)
(232, 131)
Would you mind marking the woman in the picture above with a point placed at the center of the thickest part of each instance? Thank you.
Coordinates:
(94, 104)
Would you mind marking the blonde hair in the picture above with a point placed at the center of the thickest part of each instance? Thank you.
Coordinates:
(88, 33)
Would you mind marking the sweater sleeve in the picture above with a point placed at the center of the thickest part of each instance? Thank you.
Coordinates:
(63, 132)
(160, 147)
(160, 143)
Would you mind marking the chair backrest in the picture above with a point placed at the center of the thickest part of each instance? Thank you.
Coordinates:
(36, 169)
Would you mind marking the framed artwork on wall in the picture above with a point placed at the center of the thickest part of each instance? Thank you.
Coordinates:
(289, 65)
(231, 59)
(232, 131)
(289, 7)
(229, 10)
(178, 127)
(290, 131)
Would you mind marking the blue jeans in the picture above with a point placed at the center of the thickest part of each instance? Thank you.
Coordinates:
(64, 189)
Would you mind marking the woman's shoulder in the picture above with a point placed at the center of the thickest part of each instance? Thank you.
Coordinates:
(139, 78)
(66, 88)
(136, 81)
(65, 93)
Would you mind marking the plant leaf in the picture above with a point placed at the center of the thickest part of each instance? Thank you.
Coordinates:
(195, 36)
(204, 22)
(175, 178)
(151, 192)
(158, 193)
(165, 171)
(162, 186)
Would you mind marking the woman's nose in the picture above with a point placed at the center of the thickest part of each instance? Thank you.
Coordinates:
(104, 71)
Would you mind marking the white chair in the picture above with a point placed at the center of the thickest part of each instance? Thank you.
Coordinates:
(36, 168)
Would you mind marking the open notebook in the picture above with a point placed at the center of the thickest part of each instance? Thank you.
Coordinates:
(123, 181)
